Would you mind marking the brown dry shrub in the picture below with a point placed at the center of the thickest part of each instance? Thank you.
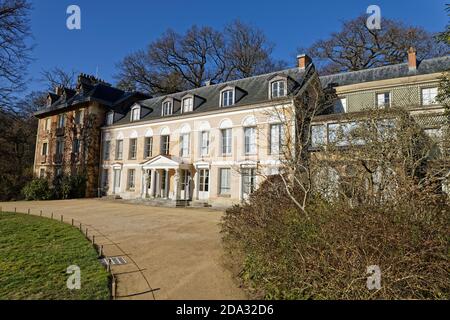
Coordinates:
(279, 254)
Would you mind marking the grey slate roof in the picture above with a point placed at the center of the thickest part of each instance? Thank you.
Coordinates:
(427, 66)
(256, 90)
(116, 99)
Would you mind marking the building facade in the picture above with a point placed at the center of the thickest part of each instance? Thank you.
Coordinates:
(215, 144)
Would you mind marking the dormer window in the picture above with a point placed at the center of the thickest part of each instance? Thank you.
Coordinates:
(167, 109)
(227, 98)
(110, 119)
(278, 89)
(135, 113)
(188, 105)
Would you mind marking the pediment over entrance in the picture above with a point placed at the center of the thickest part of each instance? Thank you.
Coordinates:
(161, 162)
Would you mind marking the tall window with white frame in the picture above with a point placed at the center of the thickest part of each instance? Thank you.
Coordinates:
(165, 145)
(225, 181)
(167, 109)
(227, 142)
(148, 147)
(184, 144)
(105, 179)
(429, 96)
(131, 179)
(135, 114)
(119, 149)
(106, 150)
(277, 138)
(44, 148)
(204, 143)
(227, 98)
(383, 100)
(248, 181)
(250, 140)
(133, 149)
(278, 89)
(61, 121)
(76, 146)
(110, 118)
(188, 104)
(79, 117)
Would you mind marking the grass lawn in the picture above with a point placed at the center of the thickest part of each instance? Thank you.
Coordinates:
(35, 254)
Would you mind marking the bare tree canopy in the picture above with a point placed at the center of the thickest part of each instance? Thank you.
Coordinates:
(14, 52)
(177, 62)
(58, 77)
(356, 47)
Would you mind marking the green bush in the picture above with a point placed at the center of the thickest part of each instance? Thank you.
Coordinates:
(37, 189)
(71, 187)
(278, 253)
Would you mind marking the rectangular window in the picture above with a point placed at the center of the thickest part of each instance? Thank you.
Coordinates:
(383, 100)
(225, 181)
(429, 96)
(48, 124)
(250, 140)
(248, 181)
(61, 121)
(76, 146)
(44, 149)
(226, 142)
(42, 173)
(133, 149)
(188, 105)
(131, 179)
(227, 98)
(184, 145)
(79, 116)
(204, 180)
(110, 119)
(165, 145)
(105, 179)
(278, 89)
(167, 108)
(106, 150)
(135, 114)
(318, 136)
(204, 143)
(276, 138)
(119, 149)
(148, 147)
(59, 147)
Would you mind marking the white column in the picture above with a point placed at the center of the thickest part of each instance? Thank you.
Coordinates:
(176, 184)
(197, 181)
(153, 184)
(166, 192)
(145, 186)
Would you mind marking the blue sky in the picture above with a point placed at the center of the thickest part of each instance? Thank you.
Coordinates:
(112, 29)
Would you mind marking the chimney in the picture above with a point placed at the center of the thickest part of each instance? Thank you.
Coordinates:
(208, 83)
(303, 61)
(58, 91)
(412, 59)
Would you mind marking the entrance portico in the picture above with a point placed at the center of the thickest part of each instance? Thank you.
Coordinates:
(157, 182)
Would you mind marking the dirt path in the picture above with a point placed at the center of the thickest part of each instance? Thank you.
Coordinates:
(177, 250)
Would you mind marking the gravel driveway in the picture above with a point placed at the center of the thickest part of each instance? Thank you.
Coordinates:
(177, 251)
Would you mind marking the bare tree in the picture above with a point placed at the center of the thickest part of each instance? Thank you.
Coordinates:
(14, 52)
(356, 47)
(177, 62)
(248, 51)
(58, 77)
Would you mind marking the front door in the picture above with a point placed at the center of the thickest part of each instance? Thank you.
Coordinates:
(117, 175)
(203, 184)
(185, 193)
